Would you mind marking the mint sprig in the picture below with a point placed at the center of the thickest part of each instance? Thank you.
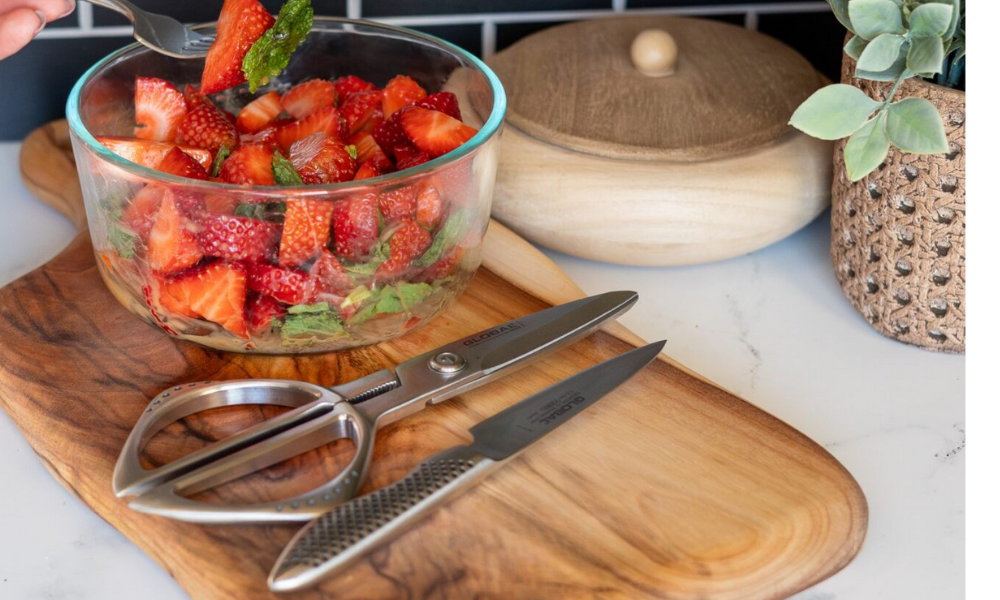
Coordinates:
(270, 54)
(308, 324)
(220, 157)
(390, 300)
(284, 171)
(446, 237)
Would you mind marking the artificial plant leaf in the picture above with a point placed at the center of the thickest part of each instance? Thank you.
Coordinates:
(893, 73)
(840, 11)
(872, 18)
(925, 56)
(881, 53)
(930, 20)
(855, 46)
(956, 16)
(833, 112)
(866, 148)
(914, 125)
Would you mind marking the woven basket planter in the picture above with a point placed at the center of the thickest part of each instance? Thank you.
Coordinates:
(898, 239)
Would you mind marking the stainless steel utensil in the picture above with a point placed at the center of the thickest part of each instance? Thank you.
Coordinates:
(354, 410)
(161, 33)
(338, 538)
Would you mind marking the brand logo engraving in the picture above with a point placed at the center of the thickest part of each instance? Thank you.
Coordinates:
(492, 333)
(562, 409)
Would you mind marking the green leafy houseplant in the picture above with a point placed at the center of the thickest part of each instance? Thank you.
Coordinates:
(893, 40)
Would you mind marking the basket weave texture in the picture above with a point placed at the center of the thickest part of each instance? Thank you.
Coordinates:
(898, 235)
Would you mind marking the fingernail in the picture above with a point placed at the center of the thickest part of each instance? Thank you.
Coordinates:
(41, 21)
(70, 7)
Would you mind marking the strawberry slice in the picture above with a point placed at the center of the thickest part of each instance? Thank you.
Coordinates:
(389, 134)
(410, 158)
(369, 151)
(350, 84)
(148, 153)
(444, 267)
(241, 22)
(249, 165)
(309, 97)
(159, 109)
(399, 92)
(164, 296)
(330, 276)
(445, 102)
(290, 286)
(179, 163)
(237, 238)
(261, 311)
(267, 136)
(430, 206)
(322, 159)
(325, 121)
(398, 204)
(194, 98)
(216, 292)
(362, 110)
(407, 243)
(172, 246)
(355, 226)
(207, 127)
(258, 114)
(434, 132)
(141, 212)
(367, 170)
(306, 231)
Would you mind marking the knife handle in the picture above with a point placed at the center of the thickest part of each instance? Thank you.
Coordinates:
(338, 538)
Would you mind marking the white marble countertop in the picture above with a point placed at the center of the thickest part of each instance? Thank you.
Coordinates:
(771, 326)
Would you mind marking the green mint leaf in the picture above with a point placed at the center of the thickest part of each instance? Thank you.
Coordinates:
(270, 54)
(412, 294)
(284, 171)
(220, 157)
(866, 148)
(380, 254)
(881, 53)
(833, 112)
(871, 18)
(446, 238)
(930, 20)
(303, 309)
(352, 150)
(254, 211)
(112, 206)
(122, 241)
(390, 300)
(914, 125)
(926, 55)
(308, 324)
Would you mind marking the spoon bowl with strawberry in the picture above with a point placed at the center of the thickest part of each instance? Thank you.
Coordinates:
(313, 184)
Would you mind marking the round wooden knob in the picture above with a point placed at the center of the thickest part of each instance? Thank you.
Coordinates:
(654, 53)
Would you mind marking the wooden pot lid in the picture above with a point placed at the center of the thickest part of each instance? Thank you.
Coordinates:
(730, 91)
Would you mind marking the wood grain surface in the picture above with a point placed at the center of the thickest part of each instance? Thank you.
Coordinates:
(668, 488)
(575, 86)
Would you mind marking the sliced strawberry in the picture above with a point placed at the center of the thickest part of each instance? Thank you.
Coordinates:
(367, 171)
(355, 226)
(398, 204)
(322, 159)
(194, 98)
(309, 97)
(410, 159)
(159, 109)
(141, 212)
(369, 150)
(407, 243)
(306, 231)
(216, 292)
(241, 22)
(330, 276)
(324, 121)
(168, 302)
(258, 114)
(350, 84)
(290, 286)
(221, 203)
(444, 267)
(172, 245)
(399, 92)
(388, 134)
(249, 165)
(207, 127)
(148, 153)
(267, 136)
(179, 163)
(445, 102)
(434, 132)
(362, 109)
(430, 206)
(237, 238)
(261, 311)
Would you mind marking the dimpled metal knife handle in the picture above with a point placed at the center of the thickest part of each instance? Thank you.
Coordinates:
(338, 538)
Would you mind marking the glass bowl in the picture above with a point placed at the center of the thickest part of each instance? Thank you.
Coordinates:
(357, 306)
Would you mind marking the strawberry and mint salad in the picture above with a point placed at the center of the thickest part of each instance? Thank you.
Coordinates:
(268, 271)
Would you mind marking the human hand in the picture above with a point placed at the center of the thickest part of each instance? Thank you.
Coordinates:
(21, 20)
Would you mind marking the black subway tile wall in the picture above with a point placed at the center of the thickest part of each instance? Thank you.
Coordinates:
(37, 80)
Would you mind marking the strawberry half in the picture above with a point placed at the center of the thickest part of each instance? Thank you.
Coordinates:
(267, 136)
(306, 231)
(194, 98)
(361, 110)
(369, 150)
(388, 134)
(216, 292)
(445, 102)
(141, 212)
(322, 159)
(407, 243)
(355, 226)
(309, 97)
(350, 84)
(258, 114)
(290, 286)
(249, 165)
(159, 109)
(172, 245)
(430, 206)
(330, 276)
(398, 204)
(399, 92)
(410, 158)
(261, 311)
(148, 153)
(179, 163)
(241, 22)
(434, 132)
(326, 121)
(237, 238)
(207, 127)
(367, 170)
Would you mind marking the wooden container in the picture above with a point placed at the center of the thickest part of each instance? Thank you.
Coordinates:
(685, 164)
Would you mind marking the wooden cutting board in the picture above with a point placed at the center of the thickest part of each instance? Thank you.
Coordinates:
(668, 488)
